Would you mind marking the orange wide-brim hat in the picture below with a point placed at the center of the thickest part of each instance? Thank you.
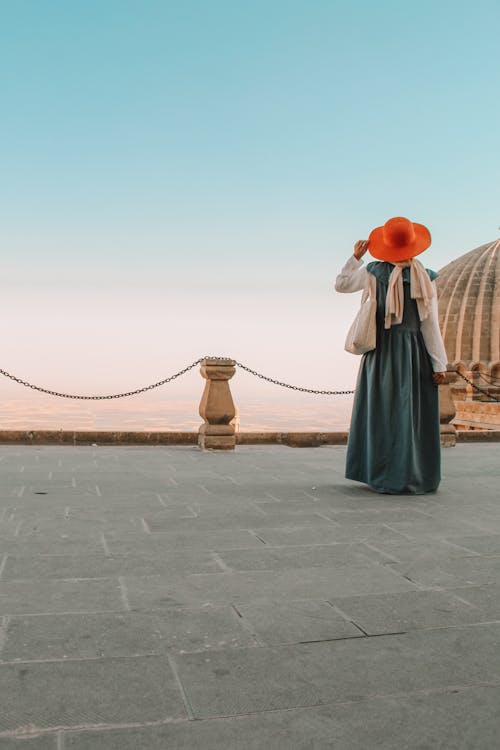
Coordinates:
(399, 239)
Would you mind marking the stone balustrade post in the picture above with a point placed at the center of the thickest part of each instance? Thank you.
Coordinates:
(217, 407)
(447, 411)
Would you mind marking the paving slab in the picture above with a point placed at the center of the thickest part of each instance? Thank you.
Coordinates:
(430, 574)
(326, 533)
(456, 720)
(297, 622)
(203, 628)
(76, 529)
(476, 570)
(435, 528)
(236, 520)
(90, 545)
(485, 598)
(424, 550)
(485, 544)
(60, 595)
(106, 566)
(181, 540)
(83, 636)
(301, 556)
(461, 571)
(41, 742)
(252, 680)
(102, 511)
(365, 515)
(284, 585)
(376, 614)
(88, 691)
(159, 592)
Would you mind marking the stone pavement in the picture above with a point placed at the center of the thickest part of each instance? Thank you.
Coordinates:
(155, 598)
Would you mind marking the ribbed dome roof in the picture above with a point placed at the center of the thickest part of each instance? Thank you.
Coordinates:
(469, 305)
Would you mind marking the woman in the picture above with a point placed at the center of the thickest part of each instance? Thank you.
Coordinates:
(394, 441)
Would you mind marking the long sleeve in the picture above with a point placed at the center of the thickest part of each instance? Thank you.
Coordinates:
(433, 339)
(352, 277)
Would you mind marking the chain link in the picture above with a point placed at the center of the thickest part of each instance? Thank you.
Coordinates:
(101, 398)
(293, 387)
(477, 388)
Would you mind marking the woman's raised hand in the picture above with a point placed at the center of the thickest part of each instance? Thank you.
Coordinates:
(440, 378)
(360, 249)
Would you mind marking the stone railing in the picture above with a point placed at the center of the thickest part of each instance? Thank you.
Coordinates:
(217, 408)
(218, 411)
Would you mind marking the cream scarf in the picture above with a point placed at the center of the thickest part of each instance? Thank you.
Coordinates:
(421, 289)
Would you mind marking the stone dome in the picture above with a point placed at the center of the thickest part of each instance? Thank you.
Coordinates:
(469, 307)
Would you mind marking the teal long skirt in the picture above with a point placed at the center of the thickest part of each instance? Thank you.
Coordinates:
(394, 438)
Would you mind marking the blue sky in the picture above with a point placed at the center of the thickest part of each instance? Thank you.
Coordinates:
(188, 177)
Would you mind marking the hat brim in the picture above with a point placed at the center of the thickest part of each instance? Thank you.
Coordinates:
(379, 250)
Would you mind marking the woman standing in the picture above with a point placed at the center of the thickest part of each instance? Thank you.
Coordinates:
(394, 440)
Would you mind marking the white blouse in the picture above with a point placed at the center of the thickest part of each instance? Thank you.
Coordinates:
(353, 277)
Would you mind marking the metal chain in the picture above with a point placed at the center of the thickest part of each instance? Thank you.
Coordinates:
(167, 380)
(100, 398)
(197, 362)
(293, 387)
(477, 388)
(489, 379)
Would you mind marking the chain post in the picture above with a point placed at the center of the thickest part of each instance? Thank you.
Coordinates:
(447, 411)
(217, 406)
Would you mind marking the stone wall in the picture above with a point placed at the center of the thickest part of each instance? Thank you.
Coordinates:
(477, 415)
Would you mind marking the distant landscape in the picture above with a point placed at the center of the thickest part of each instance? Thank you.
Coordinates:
(149, 413)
